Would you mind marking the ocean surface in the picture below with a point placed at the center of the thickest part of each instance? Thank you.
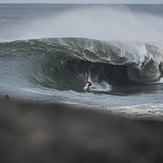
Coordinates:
(49, 51)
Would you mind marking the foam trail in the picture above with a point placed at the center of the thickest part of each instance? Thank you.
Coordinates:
(103, 86)
(102, 23)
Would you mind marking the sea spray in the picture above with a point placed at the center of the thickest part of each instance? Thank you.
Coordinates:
(98, 22)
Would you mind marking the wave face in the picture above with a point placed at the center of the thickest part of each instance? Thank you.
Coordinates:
(67, 63)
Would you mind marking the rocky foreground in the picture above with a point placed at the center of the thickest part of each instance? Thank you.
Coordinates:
(57, 133)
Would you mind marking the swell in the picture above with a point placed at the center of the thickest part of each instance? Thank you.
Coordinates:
(67, 63)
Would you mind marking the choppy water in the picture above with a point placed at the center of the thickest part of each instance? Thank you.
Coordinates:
(48, 52)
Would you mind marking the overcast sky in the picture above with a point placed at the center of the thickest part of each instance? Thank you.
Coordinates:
(85, 1)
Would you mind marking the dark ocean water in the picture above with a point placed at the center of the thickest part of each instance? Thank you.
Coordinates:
(48, 52)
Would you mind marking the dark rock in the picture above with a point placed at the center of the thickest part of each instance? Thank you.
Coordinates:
(6, 97)
(48, 133)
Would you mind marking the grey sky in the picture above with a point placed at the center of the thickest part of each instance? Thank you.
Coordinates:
(85, 1)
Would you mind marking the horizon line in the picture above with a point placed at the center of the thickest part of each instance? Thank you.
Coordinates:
(82, 3)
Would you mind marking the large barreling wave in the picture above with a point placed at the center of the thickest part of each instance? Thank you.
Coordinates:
(67, 63)
(111, 46)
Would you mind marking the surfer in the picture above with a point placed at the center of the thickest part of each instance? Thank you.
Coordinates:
(88, 84)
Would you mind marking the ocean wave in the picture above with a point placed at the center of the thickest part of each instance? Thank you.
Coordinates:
(67, 63)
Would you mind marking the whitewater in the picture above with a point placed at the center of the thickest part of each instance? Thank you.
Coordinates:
(48, 52)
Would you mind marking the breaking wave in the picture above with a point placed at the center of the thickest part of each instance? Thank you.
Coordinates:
(67, 63)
